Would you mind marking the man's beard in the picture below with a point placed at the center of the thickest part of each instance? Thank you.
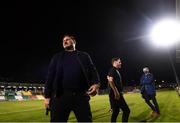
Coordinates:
(119, 66)
(69, 48)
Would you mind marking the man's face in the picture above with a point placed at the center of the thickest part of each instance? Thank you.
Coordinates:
(118, 63)
(68, 43)
(145, 70)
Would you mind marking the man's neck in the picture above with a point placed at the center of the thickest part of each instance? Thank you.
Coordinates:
(70, 50)
(115, 67)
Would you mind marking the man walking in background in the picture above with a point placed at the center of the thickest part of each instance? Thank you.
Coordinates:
(148, 91)
(116, 95)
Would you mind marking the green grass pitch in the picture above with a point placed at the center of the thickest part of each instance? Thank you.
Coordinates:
(33, 111)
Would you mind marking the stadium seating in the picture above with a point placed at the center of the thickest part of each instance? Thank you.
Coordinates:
(2, 98)
(19, 98)
(40, 97)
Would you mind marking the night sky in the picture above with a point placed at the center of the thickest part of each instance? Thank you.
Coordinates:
(31, 34)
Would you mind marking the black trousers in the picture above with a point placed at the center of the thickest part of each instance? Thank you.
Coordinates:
(117, 105)
(71, 101)
(110, 101)
(154, 105)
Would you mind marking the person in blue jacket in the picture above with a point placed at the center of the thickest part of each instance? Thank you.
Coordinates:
(148, 91)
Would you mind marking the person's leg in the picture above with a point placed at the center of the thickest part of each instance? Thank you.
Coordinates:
(82, 109)
(115, 110)
(155, 104)
(150, 104)
(60, 109)
(111, 103)
(126, 111)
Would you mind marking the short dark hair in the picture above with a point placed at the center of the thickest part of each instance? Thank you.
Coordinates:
(114, 59)
(71, 36)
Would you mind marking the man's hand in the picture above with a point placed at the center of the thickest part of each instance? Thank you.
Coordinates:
(116, 95)
(108, 77)
(46, 102)
(93, 90)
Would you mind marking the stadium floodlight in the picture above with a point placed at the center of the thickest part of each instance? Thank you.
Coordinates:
(166, 33)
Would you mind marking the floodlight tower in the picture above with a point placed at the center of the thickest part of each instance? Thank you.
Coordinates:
(178, 43)
(165, 34)
(178, 18)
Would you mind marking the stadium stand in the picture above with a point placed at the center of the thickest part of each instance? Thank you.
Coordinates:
(19, 98)
(40, 97)
(2, 98)
(33, 97)
(10, 91)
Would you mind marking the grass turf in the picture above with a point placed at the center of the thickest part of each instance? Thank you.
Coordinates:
(33, 111)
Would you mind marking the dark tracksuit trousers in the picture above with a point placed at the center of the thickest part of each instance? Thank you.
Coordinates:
(117, 105)
(71, 101)
(154, 105)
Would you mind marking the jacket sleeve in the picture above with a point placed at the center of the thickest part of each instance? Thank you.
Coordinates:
(50, 77)
(141, 80)
(95, 79)
(148, 80)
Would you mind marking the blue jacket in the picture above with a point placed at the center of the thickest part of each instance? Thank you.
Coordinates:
(147, 84)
